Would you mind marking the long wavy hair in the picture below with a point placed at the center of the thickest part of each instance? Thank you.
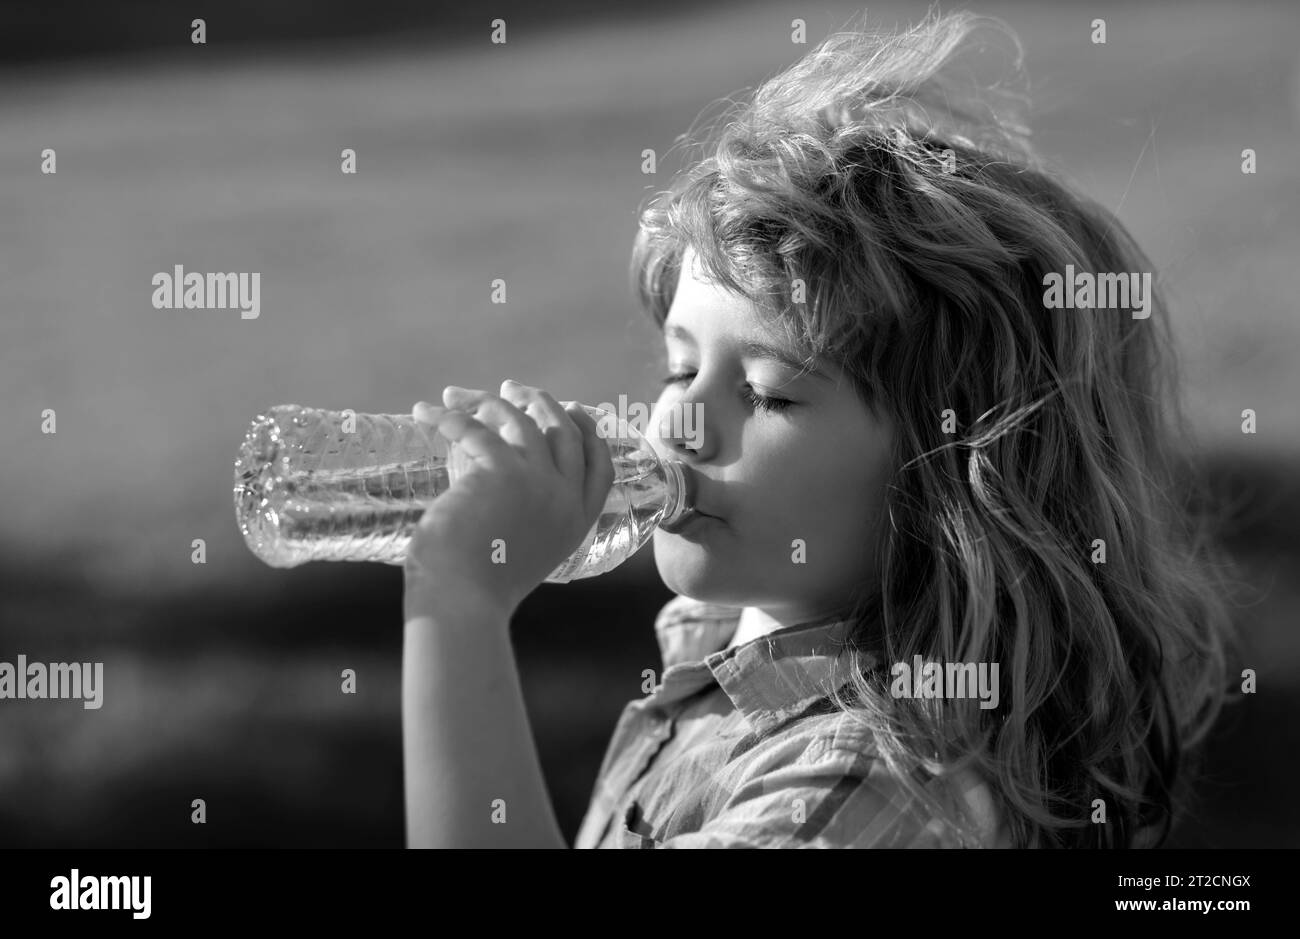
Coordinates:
(881, 206)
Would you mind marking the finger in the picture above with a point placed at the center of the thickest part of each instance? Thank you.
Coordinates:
(599, 463)
(482, 444)
(427, 415)
(515, 427)
(426, 412)
(564, 436)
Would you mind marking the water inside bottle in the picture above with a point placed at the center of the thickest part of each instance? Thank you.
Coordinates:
(632, 510)
(292, 511)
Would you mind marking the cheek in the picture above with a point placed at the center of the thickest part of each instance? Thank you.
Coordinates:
(834, 505)
(828, 522)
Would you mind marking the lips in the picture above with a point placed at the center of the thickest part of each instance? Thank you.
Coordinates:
(698, 490)
(700, 513)
(704, 498)
(695, 514)
(690, 523)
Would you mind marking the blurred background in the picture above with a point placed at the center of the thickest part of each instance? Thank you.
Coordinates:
(476, 161)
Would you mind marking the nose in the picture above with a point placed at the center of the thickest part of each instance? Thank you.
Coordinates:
(679, 425)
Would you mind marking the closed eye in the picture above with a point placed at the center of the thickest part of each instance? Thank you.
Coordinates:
(760, 402)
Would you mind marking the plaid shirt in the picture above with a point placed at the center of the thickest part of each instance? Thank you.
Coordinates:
(740, 747)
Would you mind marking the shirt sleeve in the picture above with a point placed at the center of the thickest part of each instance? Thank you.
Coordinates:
(844, 799)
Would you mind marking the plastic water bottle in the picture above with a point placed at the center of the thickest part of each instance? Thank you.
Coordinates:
(319, 485)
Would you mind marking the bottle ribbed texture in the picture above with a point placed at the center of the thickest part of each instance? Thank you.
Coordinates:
(308, 487)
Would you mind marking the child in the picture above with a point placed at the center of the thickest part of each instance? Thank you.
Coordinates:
(938, 592)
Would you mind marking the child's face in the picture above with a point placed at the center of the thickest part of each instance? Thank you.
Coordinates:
(798, 491)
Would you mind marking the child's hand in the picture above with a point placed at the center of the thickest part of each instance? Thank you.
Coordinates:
(534, 478)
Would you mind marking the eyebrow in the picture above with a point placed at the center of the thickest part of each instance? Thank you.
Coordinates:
(752, 349)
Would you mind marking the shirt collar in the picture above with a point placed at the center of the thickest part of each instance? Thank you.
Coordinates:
(769, 679)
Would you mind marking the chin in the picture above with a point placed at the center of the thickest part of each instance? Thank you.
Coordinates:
(696, 572)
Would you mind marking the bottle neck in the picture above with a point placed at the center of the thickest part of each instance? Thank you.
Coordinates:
(681, 495)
